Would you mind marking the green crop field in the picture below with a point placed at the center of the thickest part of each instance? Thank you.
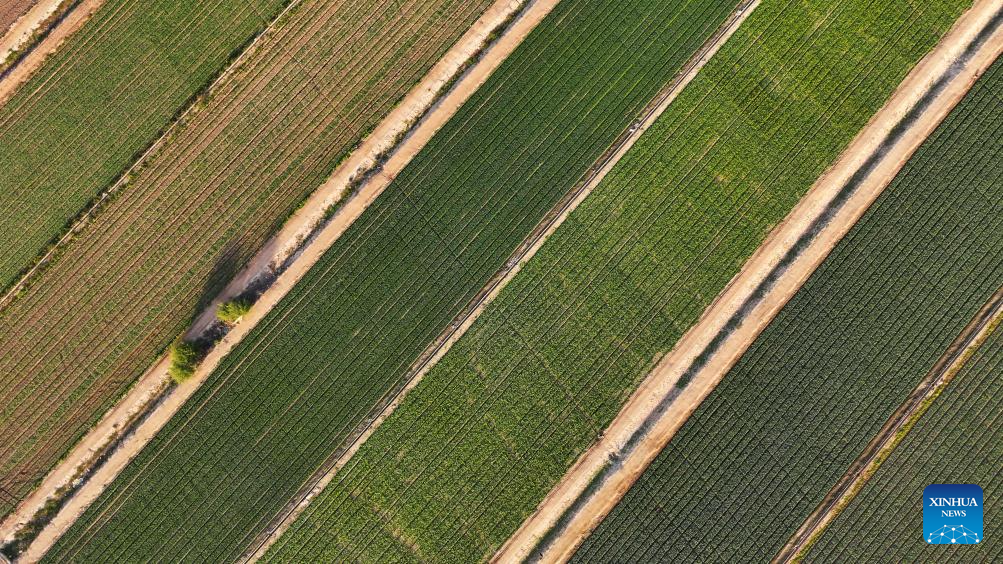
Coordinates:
(198, 209)
(957, 441)
(288, 396)
(761, 452)
(486, 434)
(102, 99)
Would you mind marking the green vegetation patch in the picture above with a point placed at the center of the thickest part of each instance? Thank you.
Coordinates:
(477, 444)
(761, 452)
(293, 391)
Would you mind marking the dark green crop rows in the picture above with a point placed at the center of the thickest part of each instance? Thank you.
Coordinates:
(101, 99)
(763, 449)
(294, 389)
(478, 443)
(959, 440)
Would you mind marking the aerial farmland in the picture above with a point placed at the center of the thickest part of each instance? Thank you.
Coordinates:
(499, 280)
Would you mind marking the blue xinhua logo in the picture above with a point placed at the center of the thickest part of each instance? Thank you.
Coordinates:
(952, 514)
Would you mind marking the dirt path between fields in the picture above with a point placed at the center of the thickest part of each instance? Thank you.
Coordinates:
(884, 442)
(66, 17)
(657, 409)
(294, 250)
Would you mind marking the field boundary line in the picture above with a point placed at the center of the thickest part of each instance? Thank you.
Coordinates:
(297, 246)
(525, 251)
(955, 357)
(770, 277)
(35, 36)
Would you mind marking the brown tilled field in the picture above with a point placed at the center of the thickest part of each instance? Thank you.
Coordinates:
(11, 10)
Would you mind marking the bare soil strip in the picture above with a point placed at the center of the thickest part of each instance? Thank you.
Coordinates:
(658, 408)
(49, 23)
(294, 246)
(891, 434)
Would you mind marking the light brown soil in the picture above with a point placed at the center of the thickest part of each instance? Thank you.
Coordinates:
(417, 101)
(24, 30)
(663, 378)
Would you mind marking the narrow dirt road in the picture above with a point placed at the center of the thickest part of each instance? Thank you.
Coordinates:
(847, 487)
(25, 30)
(657, 410)
(287, 246)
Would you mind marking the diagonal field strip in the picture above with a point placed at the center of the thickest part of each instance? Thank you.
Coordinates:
(953, 360)
(523, 253)
(645, 425)
(850, 345)
(424, 97)
(495, 226)
(435, 466)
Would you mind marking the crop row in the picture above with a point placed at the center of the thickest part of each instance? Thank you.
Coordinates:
(102, 98)
(343, 339)
(760, 453)
(199, 208)
(485, 435)
(958, 439)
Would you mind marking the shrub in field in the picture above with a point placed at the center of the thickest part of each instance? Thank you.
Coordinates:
(230, 312)
(185, 359)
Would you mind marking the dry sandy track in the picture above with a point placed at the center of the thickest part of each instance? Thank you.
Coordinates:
(419, 100)
(656, 422)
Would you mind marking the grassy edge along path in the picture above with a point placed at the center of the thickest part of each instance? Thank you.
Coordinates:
(198, 208)
(765, 447)
(958, 440)
(472, 449)
(99, 101)
(296, 387)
